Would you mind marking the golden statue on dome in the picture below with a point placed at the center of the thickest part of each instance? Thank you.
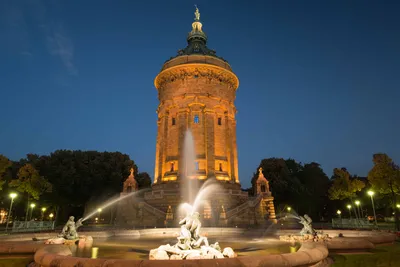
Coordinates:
(197, 13)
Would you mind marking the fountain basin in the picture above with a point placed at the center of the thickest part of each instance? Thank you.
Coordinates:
(309, 254)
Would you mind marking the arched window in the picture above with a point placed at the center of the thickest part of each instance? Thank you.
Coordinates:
(196, 119)
(172, 167)
(220, 167)
(263, 188)
(219, 121)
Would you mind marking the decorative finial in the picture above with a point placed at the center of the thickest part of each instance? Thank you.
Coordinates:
(131, 170)
(260, 171)
(196, 14)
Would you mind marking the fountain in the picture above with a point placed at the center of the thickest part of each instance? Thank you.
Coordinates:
(69, 234)
(191, 245)
(307, 233)
(189, 184)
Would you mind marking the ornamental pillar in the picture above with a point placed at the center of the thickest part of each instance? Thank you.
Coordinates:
(210, 147)
(183, 126)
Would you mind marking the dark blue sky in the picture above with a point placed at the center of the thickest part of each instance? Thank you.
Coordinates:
(319, 80)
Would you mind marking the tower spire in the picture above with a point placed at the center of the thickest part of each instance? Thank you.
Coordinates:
(197, 39)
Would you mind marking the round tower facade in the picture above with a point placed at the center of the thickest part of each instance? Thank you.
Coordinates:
(196, 90)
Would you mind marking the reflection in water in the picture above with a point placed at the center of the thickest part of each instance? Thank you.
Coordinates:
(95, 251)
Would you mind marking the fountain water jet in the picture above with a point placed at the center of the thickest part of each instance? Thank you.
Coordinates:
(112, 202)
(189, 184)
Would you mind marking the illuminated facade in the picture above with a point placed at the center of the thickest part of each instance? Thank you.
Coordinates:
(197, 90)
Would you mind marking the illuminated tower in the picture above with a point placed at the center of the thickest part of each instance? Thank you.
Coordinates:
(196, 90)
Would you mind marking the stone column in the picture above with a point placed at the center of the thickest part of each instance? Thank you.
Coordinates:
(163, 145)
(210, 142)
(228, 143)
(182, 121)
(232, 145)
(157, 165)
(234, 152)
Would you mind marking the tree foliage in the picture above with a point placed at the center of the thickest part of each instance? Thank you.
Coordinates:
(316, 184)
(384, 178)
(303, 187)
(144, 180)
(5, 163)
(78, 175)
(284, 182)
(344, 186)
(30, 182)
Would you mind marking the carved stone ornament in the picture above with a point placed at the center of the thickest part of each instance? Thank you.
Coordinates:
(199, 70)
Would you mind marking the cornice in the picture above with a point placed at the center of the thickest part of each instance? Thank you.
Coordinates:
(211, 72)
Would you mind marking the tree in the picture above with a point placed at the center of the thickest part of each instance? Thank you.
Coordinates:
(5, 163)
(384, 177)
(82, 176)
(285, 185)
(144, 180)
(344, 186)
(316, 184)
(31, 183)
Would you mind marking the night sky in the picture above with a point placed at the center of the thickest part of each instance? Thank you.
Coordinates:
(319, 80)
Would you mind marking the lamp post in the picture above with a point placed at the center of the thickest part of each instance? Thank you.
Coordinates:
(339, 213)
(371, 194)
(32, 206)
(51, 215)
(357, 202)
(289, 209)
(349, 208)
(12, 196)
(43, 210)
(99, 210)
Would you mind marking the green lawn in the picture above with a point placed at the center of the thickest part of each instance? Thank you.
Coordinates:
(381, 256)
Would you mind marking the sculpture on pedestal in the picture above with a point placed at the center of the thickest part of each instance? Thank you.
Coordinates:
(69, 230)
(307, 227)
(190, 245)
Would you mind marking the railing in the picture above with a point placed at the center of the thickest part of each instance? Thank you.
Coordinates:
(153, 210)
(247, 204)
(352, 223)
(32, 226)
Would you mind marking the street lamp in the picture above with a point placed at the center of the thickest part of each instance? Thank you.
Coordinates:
(289, 209)
(371, 194)
(339, 212)
(99, 210)
(357, 202)
(12, 196)
(32, 206)
(43, 210)
(398, 205)
(51, 215)
(349, 208)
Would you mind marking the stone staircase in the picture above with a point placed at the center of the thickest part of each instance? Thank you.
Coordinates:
(127, 211)
(248, 204)
(152, 210)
